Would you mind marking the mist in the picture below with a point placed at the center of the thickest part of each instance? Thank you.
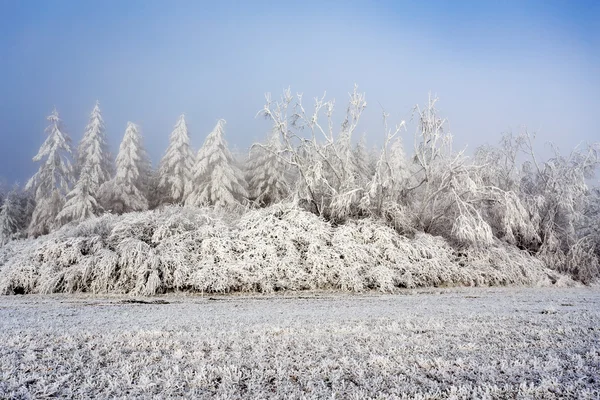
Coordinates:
(496, 68)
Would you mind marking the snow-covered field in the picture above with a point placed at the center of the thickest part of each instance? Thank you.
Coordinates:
(454, 343)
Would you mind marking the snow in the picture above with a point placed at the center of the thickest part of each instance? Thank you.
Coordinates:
(454, 343)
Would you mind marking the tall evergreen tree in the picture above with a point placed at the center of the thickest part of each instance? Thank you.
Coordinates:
(53, 180)
(3, 190)
(12, 216)
(93, 154)
(126, 191)
(94, 168)
(217, 180)
(81, 201)
(175, 173)
(267, 172)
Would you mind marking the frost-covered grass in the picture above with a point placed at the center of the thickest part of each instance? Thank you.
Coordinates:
(475, 343)
(266, 250)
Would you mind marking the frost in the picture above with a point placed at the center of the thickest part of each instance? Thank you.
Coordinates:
(494, 343)
(265, 250)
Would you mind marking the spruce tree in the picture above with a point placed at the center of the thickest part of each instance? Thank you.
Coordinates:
(126, 191)
(266, 172)
(81, 201)
(216, 179)
(54, 177)
(175, 172)
(93, 154)
(12, 216)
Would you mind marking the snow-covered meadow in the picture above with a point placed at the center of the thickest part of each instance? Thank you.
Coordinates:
(433, 343)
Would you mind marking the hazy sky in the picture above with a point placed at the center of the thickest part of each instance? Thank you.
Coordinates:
(496, 65)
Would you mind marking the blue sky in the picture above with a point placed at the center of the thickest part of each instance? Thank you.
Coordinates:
(496, 66)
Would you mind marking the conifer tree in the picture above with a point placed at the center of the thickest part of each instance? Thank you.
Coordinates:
(175, 172)
(12, 216)
(93, 167)
(266, 172)
(3, 191)
(53, 180)
(126, 191)
(81, 202)
(216, 179)
(93, 153)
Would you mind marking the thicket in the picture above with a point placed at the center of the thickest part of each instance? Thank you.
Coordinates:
(311, 208)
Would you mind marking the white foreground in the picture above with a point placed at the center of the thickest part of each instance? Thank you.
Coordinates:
(454, 343)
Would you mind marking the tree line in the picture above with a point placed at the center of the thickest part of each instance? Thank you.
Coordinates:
(502, 193)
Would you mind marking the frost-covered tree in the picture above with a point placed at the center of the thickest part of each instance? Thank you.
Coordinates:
(12, 216)
(216, 179)
(175, 172)
(54, 178)
(94, 168)
(3, 190)
(266, 172)
(81, 202)
(322, 157)
(93, 155)
(126, 191)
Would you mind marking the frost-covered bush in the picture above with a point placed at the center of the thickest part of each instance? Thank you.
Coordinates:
(277, 248)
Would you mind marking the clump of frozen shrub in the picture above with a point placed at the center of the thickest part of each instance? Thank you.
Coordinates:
(281, 247)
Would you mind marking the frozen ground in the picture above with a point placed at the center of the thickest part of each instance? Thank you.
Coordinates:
(455, 343)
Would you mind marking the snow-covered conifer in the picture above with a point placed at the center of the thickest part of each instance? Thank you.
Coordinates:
(3, 190)
(266, 172)
(12, 216)
(216, 179)
(175, 172)
(53, 180)
(93, 154)
(126, 191)
(93, 167)
(81, 203)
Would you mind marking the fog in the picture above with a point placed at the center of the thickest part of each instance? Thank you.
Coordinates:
(495, 68)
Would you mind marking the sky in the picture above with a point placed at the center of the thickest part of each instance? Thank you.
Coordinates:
(496, 66)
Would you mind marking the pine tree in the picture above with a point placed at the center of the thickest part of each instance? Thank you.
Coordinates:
(53, 179)
(12, 216)
(93, 153)
(126, 191)
(266, 172)
(217, 181)
(175, 173)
